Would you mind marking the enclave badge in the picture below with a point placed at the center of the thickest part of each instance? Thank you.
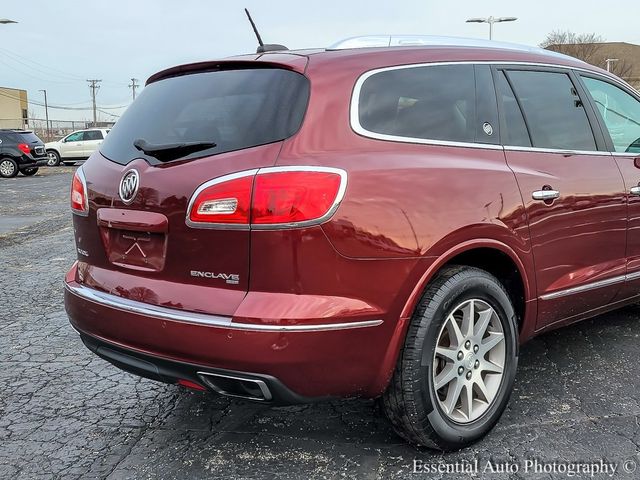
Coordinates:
(129, 186)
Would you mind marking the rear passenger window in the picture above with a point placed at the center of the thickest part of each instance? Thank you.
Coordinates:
(553, 110)
(514, 130)
(93, 135)
(431, 102)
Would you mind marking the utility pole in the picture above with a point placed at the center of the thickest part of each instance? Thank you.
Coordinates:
(93, 85)
(46, 114)
(133, 85)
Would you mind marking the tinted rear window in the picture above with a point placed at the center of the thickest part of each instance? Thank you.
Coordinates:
(234, 109)
(24, 137)
(431, 102)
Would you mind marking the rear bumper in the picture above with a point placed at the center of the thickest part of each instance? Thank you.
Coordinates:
(297, 361)
(250, 386)
(30, 162)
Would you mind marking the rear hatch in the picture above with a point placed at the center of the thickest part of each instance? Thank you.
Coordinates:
(36, 146)
(180, 133)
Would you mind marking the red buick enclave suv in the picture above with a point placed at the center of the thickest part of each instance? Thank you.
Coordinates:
(376, 222)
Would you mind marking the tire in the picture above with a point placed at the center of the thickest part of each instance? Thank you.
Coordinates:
(417, 411)
(54, 158)
(8, 168)
(69, 164)
(28, 172)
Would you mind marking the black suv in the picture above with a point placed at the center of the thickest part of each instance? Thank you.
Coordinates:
(20, 151)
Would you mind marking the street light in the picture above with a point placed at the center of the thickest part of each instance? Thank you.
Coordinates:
(491, 21)
(6, 20)
(609, 62)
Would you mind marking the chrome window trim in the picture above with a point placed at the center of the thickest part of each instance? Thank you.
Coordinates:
(172, 314)
(271, 226)
(354, 115)
(83, 179)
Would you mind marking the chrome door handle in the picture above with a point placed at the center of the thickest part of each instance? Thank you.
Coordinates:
(548, 194)
(635, 190)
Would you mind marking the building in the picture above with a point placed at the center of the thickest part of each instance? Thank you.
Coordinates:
(627, 64)
(624, 58)
(13, 108)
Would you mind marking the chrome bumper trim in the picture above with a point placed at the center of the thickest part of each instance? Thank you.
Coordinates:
(141, 308)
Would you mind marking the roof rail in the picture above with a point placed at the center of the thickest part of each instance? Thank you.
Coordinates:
(369, 41)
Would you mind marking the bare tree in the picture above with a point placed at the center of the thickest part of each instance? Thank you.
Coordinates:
(585, 46)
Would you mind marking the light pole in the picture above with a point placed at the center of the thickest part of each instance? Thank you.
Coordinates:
(491, 21)
(46, 114)
(5, 21)
(609, 62)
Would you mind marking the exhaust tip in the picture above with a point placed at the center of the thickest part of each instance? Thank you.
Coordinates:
(238, 387)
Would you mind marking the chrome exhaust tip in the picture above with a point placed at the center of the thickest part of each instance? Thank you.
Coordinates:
(238, 387)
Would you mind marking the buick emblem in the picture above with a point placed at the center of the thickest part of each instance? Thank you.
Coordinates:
(129, 186)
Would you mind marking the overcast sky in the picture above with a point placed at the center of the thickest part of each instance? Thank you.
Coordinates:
(57, 45)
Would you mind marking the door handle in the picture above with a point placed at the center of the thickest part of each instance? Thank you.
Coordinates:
(635, 190)
(549, 194)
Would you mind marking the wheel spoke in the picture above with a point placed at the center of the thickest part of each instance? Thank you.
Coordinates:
(448, 353)
(468, 318)
(491, 367)
(483, 323)
(445, 377)
(453, 395)
(483, 390)
(467, 401)
(491, 341)
(454, 331)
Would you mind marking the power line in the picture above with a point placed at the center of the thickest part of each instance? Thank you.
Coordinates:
(62, 107)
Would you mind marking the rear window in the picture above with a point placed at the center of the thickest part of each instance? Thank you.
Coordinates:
(22, 137)
(234, 109)
(430, 102)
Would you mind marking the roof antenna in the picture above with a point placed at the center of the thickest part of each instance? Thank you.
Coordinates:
(262, 47)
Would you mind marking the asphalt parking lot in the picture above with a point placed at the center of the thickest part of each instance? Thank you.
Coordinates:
(65, 413)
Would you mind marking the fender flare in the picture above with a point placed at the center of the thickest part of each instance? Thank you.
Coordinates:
(400, 331)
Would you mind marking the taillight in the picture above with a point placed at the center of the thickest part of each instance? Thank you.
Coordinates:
(226, 200)
(79, 200)
(268, 198)
(24, 148)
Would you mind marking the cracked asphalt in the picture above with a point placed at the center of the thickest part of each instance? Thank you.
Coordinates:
(64, 413)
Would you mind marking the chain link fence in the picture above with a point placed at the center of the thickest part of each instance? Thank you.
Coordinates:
(57, 128)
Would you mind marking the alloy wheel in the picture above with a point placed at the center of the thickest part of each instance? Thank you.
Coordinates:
(7, 168)
(52, 159)
(469, 361)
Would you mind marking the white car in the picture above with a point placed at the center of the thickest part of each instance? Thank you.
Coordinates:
(75, 147)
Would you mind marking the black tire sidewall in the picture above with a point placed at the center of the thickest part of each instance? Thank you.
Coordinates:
(29, 172)
(15, 167)
(474, 286)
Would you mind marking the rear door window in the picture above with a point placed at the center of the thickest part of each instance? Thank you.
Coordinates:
(93, 135)
(424, 102)
(233, 109)
(552, 110)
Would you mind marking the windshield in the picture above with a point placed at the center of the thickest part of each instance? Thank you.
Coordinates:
(230, 109)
